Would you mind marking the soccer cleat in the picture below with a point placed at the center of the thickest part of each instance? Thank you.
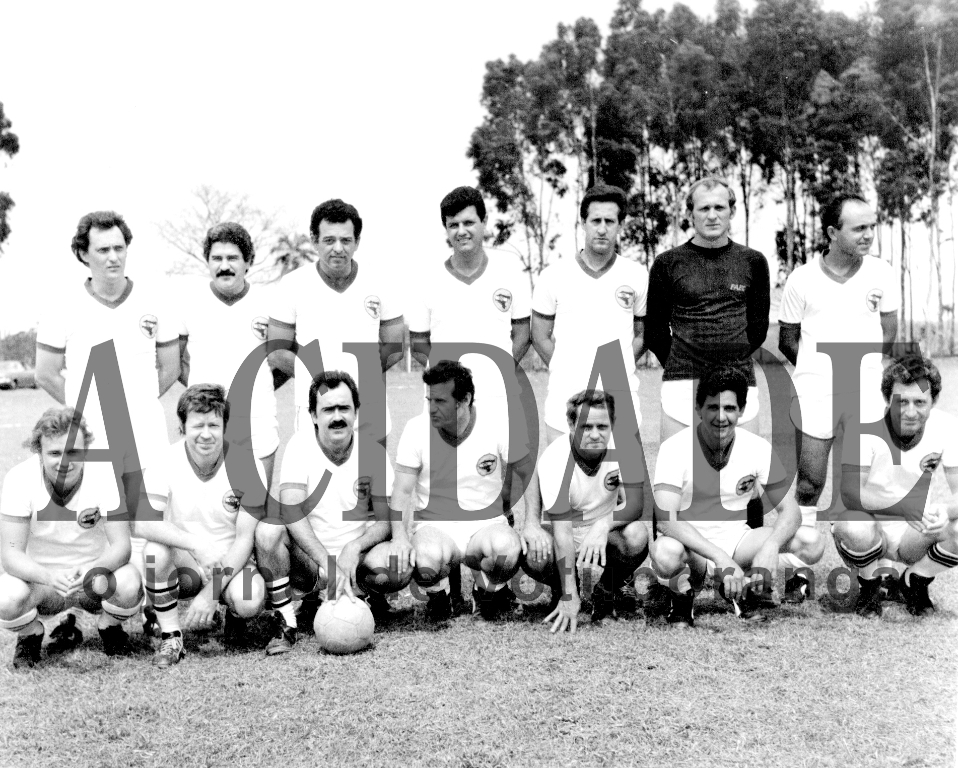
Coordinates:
(658, 602)
(682, 613)
(624, 600)
(890, 590)
(306, 613)
(493, 605)
(151, 627)
(796, 590)
(27, 652)
(602, 602)
(868, 604)
(65, 636)
(116, 642)
(915, 594)
(235, 635)
(438, 607)
(170, 651)
(765, 599)
(284, 636)
(380, 606)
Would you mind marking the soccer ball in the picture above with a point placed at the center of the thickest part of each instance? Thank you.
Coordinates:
(344, 626)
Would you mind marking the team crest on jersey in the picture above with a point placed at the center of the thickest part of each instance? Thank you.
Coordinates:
(745, 485)
(259, 326)
(611, 481)
(487, 464)
(502, 298)
(148, 325)
(872, 299)
(625, 296)
(362, 488)
(231, 500)
(930, 462)
(373, 306)
(89, 517)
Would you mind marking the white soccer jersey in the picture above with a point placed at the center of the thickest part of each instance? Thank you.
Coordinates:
(76, 536)
(473, 471)
(137, 323)
(305, 301)
(833, 311)
(595, 496)
(207, 508)
(333, 519)
(590, 309)
(476, 309)
(714, 500)
(222, 331)
(893, 476)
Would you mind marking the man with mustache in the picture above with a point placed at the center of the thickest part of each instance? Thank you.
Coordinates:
(61, 545)
(582, 303)
(595, 525)
(335, 302)
(222, 322)
(843, 296)
(335, 541)
(885, 489)
(208, 522)
(457, 454)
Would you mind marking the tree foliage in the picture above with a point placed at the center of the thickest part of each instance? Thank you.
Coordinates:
(10, 145)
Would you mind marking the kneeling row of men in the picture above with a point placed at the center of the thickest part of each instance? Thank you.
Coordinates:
(353, 535)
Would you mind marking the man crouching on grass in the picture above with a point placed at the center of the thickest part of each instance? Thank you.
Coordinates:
(203, 546)
(65, 542)
(596, 525)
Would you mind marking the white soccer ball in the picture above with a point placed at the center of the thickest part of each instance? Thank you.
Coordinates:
(343, 626)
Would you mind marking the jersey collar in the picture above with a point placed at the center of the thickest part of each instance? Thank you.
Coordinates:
(840, 279)
(590, 469)
(468, 279)
(353, 272)
(56, 498)
(595, 275)
(229, 301)
(200, 474)
(902, 445)
(116, 302)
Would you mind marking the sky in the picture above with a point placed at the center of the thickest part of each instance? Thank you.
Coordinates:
(132, 107)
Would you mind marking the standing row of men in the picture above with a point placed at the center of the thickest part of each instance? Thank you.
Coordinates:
(707, 308)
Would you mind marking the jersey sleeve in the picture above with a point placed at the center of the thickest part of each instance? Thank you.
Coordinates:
(640, 304)
(521, 297)
(543, 298)
(168, 328)
(792, 309)
(282, 306)
(891, 299)
(409, 452)
(671, 466)
(418, 315)
(390, 308)
(294, 470)
(156, 482)
(254, 489)
(382, 482)
(770, 470)
(52, 333)
(15, 497)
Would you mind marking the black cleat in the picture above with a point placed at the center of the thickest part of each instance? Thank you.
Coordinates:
(625, 601)
(603, 604)
(306, 613)
(235, 632)
(658, 602)
(27, 652)
(915, 594)
(65, 636)
(682, 613)
(170, 651)
(151, 627)
(890, 590)
(380, 606)
(493, 605)
(438, 607)
(116, 642)
(796, 590)
(284, 636)
(868, 604)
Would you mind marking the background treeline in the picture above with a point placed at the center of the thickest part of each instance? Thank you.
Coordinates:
(789, 103)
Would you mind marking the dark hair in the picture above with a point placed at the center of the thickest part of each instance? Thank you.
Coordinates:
(55, 422)
(331, 380)
(595, 398)
(203, 398)
(911, 370)
(98, 220)
(447, 370)
(335, 212)
(709, 183)
(458, 200)
(725, 378)
(232, 233)
(603, 193)
(832, 212)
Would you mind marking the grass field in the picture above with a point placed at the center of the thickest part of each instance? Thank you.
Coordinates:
(816, 686)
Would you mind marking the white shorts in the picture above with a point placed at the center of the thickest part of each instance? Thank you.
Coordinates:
(821, 414)
(555, 405)
(578, 534)
(727, 538)
(264, 436)
(460, 531)
(678, 402)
